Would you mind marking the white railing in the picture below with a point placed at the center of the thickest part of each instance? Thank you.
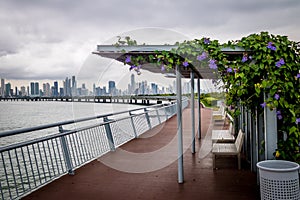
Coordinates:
(29, 165)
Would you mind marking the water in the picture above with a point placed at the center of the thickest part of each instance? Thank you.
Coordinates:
(24, 114)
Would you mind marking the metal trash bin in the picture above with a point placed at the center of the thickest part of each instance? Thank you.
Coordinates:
(279, 179)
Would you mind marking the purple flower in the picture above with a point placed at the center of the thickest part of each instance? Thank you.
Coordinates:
(206, 41)
(297, 120)
(279, 116)
(244, 59)
(276, 96)
(128, 59)
(298, 75)
(263, 104)
(212, 64)
(280, 62)
(203, 56)
(163, 68)
(271, 46)
(229, 70)
(185, 63)
(235, 70)
(132, 67)
(278, 112)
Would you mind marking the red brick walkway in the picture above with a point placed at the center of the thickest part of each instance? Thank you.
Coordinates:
(146, 168)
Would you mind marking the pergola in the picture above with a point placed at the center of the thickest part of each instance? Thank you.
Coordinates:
(120, 53)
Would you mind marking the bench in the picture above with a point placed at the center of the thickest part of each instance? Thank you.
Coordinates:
(224, 135)
(219, 115)
(229, 149)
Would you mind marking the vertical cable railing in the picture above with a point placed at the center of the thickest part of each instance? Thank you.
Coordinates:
(28, 165)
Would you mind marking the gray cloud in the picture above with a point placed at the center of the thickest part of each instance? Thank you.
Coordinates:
(51, 38)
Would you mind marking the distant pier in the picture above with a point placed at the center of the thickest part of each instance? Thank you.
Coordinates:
(143, 100)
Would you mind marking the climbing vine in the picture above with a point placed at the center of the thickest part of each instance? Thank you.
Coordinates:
(267, 74)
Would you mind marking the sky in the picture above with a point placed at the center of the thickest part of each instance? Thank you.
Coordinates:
(47, 40)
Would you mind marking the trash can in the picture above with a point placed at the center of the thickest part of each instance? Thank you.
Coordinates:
(279, 179)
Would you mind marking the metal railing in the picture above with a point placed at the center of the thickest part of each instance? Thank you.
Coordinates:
(29, 165)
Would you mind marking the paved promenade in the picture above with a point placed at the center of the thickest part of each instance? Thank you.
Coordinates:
(146, 168)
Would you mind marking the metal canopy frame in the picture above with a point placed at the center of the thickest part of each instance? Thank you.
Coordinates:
(120, 53)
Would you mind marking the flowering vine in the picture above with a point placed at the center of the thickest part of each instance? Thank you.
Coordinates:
(269, 66)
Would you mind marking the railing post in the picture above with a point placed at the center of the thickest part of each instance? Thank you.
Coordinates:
(166, 112)
(147, 118)
(66, 152)
(132, 123)
(158, 116)
(109, 134)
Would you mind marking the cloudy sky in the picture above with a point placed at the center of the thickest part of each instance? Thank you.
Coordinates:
(52, 39)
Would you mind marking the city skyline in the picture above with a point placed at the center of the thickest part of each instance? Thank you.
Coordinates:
(68, 87)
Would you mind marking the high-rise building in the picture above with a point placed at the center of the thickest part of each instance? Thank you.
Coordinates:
(36, 89)
(31, 88)
(111, 87)
(74, 86)
(2, 87)
(8, 90)
(67, 87)
(55, 89)
(154, 88)
(23, 91)
(94, 89)
(61, 92)
(16, 91)
(46, 89)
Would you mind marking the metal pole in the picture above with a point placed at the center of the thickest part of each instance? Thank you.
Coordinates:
(193, 112)
(132, 124)
(147, 118)
(270, 130)
(199, 109)
(66, 152)
(179, 124)
(109, 134)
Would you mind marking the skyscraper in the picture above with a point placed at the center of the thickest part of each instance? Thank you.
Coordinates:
(2, 87)
(67, 87)
(46, 89)
(36, 89)
(55, 89)
(74, 86)
(7, 90)
(31, 88)
(154, 88)
(111, 87)
(23, 91)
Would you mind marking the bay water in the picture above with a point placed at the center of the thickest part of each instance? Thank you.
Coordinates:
(25, 114)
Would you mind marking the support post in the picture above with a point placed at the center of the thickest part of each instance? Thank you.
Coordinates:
(147, 118)
(193, 111)
(270, 129)
(132, 124)
(199, 109)
(179, 125)
(157, 113)
(109, 135)
(66, 152)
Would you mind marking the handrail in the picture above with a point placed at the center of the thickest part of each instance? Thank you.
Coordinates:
(28, 165)
(36, 128)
